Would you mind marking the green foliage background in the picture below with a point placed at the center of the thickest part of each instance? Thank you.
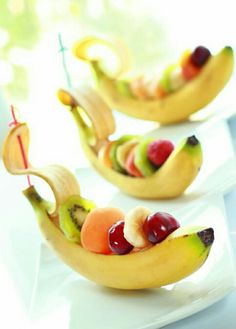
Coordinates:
(21, 19)
(24, 30)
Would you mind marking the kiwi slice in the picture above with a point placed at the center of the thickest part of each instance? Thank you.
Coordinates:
(141, 160)
(72, 215)
(123, 88)
(115, 164)
(165, 79)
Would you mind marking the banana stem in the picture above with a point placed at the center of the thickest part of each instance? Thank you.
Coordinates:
(96, 70)
(87, 135)
(36, 200)
(33, 196)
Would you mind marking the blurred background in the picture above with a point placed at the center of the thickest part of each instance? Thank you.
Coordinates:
(31, 69)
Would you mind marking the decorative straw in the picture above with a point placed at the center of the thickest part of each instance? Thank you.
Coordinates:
(21, 145)
(62, 51)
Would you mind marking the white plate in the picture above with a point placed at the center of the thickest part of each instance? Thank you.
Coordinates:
(63, 295)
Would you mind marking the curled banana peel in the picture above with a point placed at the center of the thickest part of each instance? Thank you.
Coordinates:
(97, 121)
(178, 105)
(62, 183)
(170, 181)
(153, 267)
(85, 50)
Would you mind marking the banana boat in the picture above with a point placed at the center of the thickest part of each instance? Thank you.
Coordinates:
(70, 227)
(169, 181)
(178, 94)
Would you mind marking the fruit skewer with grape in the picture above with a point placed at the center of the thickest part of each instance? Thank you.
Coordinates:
(138, 156)
(181, 90)
(142, 167)
(124, 251)
(173, 78)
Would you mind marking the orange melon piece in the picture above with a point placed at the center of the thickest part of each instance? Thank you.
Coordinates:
(104, 154)
(94, 232)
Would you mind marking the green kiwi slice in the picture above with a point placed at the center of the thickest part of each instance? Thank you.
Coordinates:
(141, 160)
(115, 164)
(72, 215)
(123, 88)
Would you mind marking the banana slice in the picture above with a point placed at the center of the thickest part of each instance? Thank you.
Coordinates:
(133, 229)
(178, 105)
(176, 79)
(124, 150)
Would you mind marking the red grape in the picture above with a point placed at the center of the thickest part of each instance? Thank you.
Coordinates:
(117, 242)
(199, 56)
(159, 150)
(159, 225)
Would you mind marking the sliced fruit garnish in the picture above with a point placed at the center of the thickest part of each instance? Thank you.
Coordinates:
(141, 158)
(72, 215)
(94, 233)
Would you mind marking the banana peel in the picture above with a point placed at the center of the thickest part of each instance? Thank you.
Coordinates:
(182, 253)
(170, 181)
(61, 181)
(95, 48)
(174, 107)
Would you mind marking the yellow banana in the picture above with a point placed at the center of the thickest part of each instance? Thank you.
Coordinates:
(168, 262)
(175, 107)
(182, 253)
(170, 181)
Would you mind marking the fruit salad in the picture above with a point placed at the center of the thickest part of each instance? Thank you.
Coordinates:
(108, 230)
(174, 76)
(138, 156)
(183, 88)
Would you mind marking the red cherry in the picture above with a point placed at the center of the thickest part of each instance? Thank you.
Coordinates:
(158, 226)
(117, 242)
(158, 151)
(130, 165)
(200, 56)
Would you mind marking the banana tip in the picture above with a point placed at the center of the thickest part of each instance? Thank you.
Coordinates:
(228, 48)
(192, 140)
(207, 236)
